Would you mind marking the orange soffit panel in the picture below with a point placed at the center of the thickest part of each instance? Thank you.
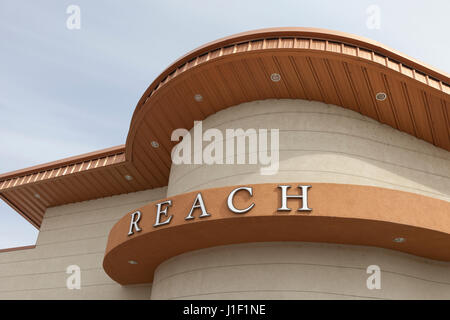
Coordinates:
(335, 213)
(312, 64)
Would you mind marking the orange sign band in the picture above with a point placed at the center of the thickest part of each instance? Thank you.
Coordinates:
(345, 214)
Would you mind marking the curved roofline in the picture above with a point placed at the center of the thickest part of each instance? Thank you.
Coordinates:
(325, 34)
(64, 162)
(228, 40)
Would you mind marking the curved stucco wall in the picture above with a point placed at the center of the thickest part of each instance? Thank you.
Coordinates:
(295, 270)
(323, 143)
(318, 143)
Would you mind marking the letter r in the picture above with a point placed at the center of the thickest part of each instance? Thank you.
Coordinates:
(134, 222)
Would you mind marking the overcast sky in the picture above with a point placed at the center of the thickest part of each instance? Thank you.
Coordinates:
(66, 92)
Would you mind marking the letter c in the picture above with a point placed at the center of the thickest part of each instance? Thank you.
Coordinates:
(231, 197)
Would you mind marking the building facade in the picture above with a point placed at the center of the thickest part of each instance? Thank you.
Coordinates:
(360, 182)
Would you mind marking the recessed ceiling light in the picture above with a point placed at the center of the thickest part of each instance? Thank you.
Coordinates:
(155, 144)
(198, 97)
(275, 77)
(128, 177)
(399, 240)
(381, 96)
(37, 196)
(132, 262)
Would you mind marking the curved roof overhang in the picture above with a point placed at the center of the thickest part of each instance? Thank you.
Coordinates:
(314, 64)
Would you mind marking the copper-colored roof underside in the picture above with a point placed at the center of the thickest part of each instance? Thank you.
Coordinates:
(314, 64)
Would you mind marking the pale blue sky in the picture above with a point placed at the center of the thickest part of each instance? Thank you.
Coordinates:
(65, 92)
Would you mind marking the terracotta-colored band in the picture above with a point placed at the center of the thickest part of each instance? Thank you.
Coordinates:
(346, 214)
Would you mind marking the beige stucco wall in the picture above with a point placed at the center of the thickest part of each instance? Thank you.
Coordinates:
(73, 234)
(323, 143)
(295, 270)
(318, 143)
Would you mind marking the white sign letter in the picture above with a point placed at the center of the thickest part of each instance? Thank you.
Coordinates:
(198, 203)
(134, 222)
(303, 197)
(164, 212)
(231, 197)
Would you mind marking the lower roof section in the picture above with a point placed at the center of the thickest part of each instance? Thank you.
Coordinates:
(97, 174)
